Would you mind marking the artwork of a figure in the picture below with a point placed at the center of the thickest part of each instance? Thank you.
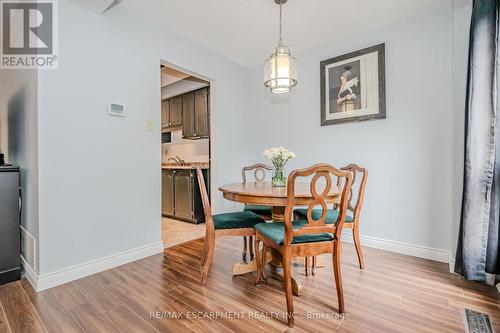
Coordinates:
(345, 87)
(352, 86)
(346, 95)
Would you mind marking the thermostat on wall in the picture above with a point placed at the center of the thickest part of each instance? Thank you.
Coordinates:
(116, 109)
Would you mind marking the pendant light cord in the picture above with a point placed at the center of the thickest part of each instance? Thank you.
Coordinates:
(280, 42)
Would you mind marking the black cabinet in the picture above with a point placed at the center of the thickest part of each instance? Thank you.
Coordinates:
(181, 197)
(10, 233)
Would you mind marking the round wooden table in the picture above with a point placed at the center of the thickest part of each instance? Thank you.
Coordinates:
(262, 193)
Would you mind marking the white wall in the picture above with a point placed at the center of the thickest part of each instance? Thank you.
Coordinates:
(461, 27)
(100, 184)
(409, 155)
(18, 137)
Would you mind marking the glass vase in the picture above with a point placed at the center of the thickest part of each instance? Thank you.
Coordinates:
(279, 179)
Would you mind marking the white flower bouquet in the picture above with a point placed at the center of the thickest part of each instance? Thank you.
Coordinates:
(279, 156)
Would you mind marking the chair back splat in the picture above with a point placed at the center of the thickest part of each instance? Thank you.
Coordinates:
(321, 174)
(356, 170)
(259, 172)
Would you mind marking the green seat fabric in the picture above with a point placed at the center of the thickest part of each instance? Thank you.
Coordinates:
(276, 232)
(237, 220)
(259, 210)
(331, 215)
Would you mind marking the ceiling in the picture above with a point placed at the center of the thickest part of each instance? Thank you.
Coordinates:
(245, 31)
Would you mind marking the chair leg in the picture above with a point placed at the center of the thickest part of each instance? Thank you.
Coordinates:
(287, 277)
(263, 262)
(357, 244)
(258, 261)
(306, 265)
(313, 269)
(205, 250)
(250, 247)
(338, 277)
(208, 259)
(244, 255)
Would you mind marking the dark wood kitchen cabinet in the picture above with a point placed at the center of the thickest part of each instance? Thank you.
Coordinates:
(191, 111)
(171, 113)
(168, 192)
(175, 111)
(183, 193)
(201, 107)
(188, 114)
(181, 197)
(196, 115)
(165, 113)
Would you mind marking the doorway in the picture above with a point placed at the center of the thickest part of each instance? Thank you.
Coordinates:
(186, 141)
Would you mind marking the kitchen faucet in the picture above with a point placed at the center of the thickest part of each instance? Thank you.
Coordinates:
(178, 160)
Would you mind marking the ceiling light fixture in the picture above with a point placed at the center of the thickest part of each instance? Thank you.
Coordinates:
(280, 70)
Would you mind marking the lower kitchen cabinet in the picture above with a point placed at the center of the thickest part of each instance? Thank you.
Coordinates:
(181, 197)
(168, 192)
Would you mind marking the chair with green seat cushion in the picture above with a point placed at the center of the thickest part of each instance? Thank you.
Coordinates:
(331, 215)
(352, 218)
(258, 173)
(236, 220)
(276, 232)
(239, 224)
(307, 237)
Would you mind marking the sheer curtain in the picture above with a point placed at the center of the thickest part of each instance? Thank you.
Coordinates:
(478, 245)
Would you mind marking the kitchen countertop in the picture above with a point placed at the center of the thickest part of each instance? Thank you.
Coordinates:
(189, 165)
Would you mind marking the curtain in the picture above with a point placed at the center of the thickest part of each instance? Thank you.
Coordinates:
(478, 244)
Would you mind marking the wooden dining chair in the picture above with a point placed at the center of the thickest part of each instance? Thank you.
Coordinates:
(259, 174)
(352, 218)
(227, 224)
(310, 237)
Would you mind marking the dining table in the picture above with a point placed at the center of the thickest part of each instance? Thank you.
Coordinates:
(265, 194)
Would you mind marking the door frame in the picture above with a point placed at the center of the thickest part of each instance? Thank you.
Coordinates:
(211, 151)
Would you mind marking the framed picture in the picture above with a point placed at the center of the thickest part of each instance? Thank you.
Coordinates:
(353, 86)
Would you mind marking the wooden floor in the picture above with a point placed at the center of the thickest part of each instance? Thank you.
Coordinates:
(395, 293)
(175, 232)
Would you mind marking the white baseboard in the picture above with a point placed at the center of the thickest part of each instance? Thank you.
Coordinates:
(400, 247)
(49, 280)
(452, 265)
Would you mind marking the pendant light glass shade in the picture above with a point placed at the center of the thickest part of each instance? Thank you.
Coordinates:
(280, 71)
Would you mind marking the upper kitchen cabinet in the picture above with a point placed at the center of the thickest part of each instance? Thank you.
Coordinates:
(176, 111)
(171, 112)
(165, 113)
(196, 114)
(188, 114)
(191, 111)
(201, 107)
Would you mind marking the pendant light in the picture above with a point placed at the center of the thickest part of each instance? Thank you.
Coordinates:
(280, 71)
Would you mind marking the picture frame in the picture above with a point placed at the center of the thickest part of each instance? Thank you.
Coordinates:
(353, 86)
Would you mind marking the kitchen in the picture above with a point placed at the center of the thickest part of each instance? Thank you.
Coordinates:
(185, 115)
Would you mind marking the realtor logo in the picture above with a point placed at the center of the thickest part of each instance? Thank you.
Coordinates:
(29, 34)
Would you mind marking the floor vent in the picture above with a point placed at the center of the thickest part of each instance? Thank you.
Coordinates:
(478, 322)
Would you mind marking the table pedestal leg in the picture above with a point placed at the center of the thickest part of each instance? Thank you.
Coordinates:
(279, 216)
